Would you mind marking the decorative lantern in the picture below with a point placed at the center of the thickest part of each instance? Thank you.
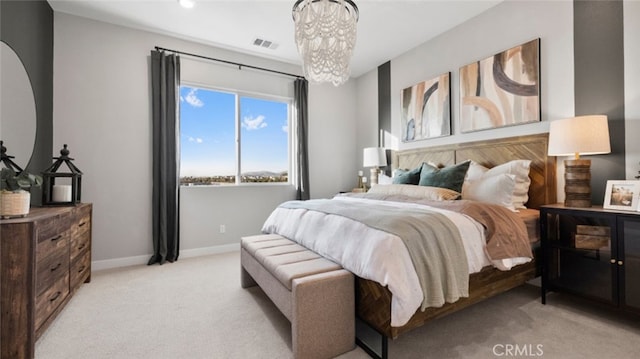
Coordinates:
(67, 190)
(6, 159)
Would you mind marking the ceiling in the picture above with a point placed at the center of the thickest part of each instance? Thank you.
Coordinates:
(386, 29)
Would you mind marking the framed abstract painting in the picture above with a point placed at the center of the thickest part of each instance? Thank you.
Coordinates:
(501, 90)
(426, 109)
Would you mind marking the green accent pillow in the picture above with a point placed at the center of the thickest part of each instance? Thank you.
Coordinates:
(450, 177)
(407, 176)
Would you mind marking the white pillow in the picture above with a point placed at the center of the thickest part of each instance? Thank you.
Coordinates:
(420, 192)
(496, 189)
(384, 179)
(518, 168)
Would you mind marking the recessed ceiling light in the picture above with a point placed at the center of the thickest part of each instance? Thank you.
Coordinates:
(187, 4)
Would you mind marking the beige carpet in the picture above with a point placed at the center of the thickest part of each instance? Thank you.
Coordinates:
(195, 308)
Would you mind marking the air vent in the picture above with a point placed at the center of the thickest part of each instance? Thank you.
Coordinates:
(265, 44)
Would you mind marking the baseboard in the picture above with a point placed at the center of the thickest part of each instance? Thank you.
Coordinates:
(140, 260)
(197, 252)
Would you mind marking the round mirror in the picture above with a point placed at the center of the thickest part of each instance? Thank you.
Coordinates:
(17, 107)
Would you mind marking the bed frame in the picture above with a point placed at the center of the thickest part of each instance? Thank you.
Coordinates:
(373, 301)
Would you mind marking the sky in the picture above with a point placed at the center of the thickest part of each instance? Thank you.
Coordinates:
(207, 126)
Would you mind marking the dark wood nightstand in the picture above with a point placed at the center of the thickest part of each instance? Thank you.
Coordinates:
(591, 252)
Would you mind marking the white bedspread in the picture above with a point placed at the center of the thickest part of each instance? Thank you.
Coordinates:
(370, 253)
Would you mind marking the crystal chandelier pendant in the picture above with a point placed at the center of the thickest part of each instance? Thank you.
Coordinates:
(325, 32)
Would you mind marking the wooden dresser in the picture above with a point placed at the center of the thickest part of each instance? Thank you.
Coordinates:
(44, 258)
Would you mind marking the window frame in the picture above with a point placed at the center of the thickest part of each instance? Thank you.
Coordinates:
(291, 138)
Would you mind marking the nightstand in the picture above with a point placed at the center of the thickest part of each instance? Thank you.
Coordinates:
(593, 253)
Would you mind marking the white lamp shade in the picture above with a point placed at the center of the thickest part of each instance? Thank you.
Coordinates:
(582, 135)
(374, 157)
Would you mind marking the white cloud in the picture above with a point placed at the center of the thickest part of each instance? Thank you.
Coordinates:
(285, 128)
(192, 99)
(195, 139)
(251, 123)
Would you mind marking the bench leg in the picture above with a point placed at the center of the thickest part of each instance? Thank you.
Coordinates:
(246, 280)
(323, 322)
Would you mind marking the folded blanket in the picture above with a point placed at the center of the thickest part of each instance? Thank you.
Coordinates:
(505, 232)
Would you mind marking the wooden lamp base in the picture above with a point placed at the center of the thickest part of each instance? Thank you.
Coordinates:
(577, 183)
(373, 175)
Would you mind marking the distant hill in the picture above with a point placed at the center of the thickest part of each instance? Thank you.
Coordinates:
(265, 174)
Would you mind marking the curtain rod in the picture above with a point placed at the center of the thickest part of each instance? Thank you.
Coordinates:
(158, 48)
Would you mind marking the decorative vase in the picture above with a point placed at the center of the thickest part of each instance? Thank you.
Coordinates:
(14, 204)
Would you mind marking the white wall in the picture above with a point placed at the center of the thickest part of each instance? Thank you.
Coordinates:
(632, 86)
(102, 110)
(499, 28)
(367, 120)
(332, 130)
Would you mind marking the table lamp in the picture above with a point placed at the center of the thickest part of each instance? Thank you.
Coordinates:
(581, 135)
(374, 157)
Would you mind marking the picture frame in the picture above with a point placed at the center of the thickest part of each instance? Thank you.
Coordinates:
(622, 195)
(426, 109)
(501, 90)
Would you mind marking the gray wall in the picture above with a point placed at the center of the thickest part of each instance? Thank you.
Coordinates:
(102, 110)
(599, 82)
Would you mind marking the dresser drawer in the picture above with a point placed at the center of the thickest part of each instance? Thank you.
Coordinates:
(51, 267)
(80, 270)
(50, 228)
(82, 221)
(79, 244)
(50, 299)
(52, 246)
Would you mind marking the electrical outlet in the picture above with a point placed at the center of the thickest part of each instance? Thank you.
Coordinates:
(223, 228)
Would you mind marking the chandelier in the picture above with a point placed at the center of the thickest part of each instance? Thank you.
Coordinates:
(325, 36)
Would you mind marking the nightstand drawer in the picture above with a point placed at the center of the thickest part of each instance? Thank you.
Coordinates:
(80, 270)
(50, 299)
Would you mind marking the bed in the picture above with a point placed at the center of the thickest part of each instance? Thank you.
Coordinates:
(374, 301)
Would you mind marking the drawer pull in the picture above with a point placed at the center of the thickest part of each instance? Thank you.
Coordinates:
(55, 296)
(613, 261)
(620, 263)
(53, 269)
(56, 238)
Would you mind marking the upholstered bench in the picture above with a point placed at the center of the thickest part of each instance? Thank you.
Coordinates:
(314, 293)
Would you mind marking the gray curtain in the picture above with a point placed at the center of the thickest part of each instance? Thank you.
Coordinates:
(301, 90)
(165, 88)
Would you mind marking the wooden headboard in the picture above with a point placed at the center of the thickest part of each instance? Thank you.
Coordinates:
(490, 153)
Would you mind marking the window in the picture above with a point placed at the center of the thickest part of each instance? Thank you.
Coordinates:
(229, 138)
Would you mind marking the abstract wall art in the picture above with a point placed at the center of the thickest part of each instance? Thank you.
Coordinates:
(426, 109)
(502, 90)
